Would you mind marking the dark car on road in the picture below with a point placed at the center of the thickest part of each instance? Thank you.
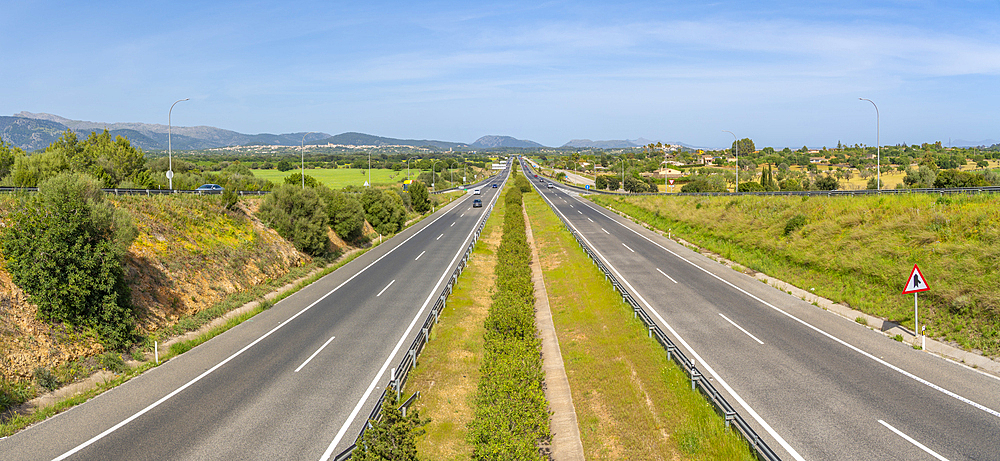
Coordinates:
(477, 203)
(494, 186)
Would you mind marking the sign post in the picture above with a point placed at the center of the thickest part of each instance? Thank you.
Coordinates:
(915, 284)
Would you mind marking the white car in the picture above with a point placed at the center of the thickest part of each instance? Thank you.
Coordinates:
(476, 192)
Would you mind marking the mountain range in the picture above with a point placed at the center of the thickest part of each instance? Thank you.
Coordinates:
(34, 131)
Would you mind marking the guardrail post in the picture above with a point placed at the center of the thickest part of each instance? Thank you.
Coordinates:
(670, 350)
(427, 337)
(413, 357)
(651, 331)
(730, 415)
(695, 377)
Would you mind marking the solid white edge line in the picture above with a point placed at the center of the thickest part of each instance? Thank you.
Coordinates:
(235, 354)
(314, 354)
(386, 288)
(419, 255)
(665, 275)
(753, 414)
(816, 329)
(914, 442)
(741, 329)
(371, 387)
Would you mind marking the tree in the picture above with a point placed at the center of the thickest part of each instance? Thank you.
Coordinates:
(419, 197)
(955, 178)
(284, 165)
(635, 185)
(295, 179)
(8, 154)
(714, 183)
(344, 211)
(66, 247)
(746, 147)
(383, 210)
(827, 182)
(601, 182)
(921, 178)
(299, 216)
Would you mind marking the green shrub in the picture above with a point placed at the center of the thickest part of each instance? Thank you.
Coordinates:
(795, 223)
(393, 438)
(65, 247)
(383, 210)
(46, 379)
(112, 362)
(346, 216)
(511, 415)
(299, 216)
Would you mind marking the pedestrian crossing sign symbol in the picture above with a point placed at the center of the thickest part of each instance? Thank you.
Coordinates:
(916, 283)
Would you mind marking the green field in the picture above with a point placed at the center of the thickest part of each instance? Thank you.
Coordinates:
(342, 177)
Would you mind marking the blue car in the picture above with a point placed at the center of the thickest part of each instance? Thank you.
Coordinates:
(209, 189)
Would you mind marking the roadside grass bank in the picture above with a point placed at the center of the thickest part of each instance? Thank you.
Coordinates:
(511, 414)
(631, 402)
(254, 299)
(448, 371)
(857, 251)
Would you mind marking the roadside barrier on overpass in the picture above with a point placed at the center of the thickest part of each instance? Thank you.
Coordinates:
(118, 191)
(399, 375)
(698, 381)
(810, 193)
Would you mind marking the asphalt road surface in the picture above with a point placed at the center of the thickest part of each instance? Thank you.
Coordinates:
(814, 385)
(295, 382)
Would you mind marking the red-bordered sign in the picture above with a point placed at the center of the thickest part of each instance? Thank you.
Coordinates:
(916, 283)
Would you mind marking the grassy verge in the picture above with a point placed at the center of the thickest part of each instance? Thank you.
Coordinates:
(631, 402)
(857, 250)
(448, 371)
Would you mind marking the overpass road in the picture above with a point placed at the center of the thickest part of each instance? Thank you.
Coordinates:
(814, 385)
(295, 382)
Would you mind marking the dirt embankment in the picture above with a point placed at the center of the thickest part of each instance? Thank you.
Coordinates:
(189, 255)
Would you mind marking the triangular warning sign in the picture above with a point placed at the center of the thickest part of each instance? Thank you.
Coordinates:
(916, 283)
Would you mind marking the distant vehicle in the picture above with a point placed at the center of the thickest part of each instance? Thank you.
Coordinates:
(494, 186)
(549, 186)
(476, 192)
(209, 188)
(477, 203)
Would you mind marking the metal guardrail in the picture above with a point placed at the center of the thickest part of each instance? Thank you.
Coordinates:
(399, 375)
(828, 193)
(698, 380)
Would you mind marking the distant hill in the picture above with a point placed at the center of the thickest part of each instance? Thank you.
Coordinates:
(29, 134)
(31, 131)
(361, 139)
(492, 142)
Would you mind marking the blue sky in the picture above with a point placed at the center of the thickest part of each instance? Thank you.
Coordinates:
(782, 73)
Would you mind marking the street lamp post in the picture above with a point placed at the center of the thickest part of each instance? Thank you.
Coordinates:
(302, 151)
(736, 153)
(170, 155)
(432, 174)
(878, 147)
(408, 166)
(369, 168)
(622, 159)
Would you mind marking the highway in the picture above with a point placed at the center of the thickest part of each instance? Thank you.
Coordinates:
(295, 382)
(814, 385)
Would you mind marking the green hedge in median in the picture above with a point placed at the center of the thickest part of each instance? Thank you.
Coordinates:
(512, 416)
